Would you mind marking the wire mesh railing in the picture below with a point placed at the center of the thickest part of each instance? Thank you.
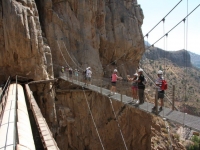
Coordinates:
(123, 86)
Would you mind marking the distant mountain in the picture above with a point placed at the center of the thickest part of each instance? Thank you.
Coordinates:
(147, 44)
(181, 58)
(195, 59)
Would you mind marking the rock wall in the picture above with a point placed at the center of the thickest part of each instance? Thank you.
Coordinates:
(38, 37)
(76, 129)
(102, 34)
(23, 51)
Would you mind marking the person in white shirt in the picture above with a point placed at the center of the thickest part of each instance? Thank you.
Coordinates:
(88, 76)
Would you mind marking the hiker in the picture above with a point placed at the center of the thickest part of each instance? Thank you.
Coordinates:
(141, 86)
(114, 81)
(88, 76)
(161, 93)
(134, 86)
(85, 75)
(62, 69)
(76, 73)
(70, 73)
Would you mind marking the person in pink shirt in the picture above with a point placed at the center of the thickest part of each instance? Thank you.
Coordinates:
(114, 81)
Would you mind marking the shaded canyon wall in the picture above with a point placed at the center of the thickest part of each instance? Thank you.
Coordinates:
(76, 129)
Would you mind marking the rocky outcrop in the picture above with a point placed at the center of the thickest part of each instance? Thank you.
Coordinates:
(76, 128)
(23, 51)
(100, 34)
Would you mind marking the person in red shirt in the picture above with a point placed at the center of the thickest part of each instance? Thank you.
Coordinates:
(134, 86)
(114, 81)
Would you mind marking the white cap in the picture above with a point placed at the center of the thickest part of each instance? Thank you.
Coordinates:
(115, 70)
(88, 68)
(135, 74)
(62, 66)
(160, 72)
(140, 70)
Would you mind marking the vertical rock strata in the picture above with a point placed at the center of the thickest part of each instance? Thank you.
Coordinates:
(23, 49)
(98, 33)
(77, 131)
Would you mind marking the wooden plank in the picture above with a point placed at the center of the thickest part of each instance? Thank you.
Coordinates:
(43, 81)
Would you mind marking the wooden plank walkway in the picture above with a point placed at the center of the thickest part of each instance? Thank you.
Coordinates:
(187, 120)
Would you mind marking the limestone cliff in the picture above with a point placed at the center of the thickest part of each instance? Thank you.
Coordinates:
(23, 51)
(94, 33)
(76, 129)
(38, 37)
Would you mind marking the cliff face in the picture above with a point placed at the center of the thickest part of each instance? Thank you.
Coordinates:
(93, 33)
(76, 128)
(23, 51)
(38, 37)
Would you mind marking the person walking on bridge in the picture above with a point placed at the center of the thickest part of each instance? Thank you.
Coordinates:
(134, 86)
(161, 92)
(88, 76)
(114, 81)
(141, 86)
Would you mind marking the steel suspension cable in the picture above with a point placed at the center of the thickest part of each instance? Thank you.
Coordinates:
(164, 61)
(72, 58)
(118, 124)
(93, 119)
(176, 25)
(163, 17)
(168, 31)
(186, 61)
(62, 54)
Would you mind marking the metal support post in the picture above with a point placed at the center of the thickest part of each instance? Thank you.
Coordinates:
(173, 96)
(156, 100)
(121, 97)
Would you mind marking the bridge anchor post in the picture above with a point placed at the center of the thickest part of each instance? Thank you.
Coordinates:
(173, 96)
(156, 100)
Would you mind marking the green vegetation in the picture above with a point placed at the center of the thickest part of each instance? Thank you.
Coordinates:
(196, 141)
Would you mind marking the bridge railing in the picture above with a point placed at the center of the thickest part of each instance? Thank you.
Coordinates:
(3, 97)
(123, 86)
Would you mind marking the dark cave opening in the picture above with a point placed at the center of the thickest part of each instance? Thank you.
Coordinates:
(41, 12)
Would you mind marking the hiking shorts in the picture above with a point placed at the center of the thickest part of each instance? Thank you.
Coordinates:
(161, 94)
(88, 78)
(113, 83)
(134, 87)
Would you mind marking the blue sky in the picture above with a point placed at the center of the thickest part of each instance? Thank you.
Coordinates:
(155, 10)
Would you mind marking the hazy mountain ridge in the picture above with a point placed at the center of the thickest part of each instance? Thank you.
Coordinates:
(195, 59)
(180, 58)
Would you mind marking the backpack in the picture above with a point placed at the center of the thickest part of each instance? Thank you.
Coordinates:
(164, 85)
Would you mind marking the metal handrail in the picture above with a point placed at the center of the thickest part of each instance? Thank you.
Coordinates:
(2, 94)
(15, 137)
(5, 88)
(123, 82)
